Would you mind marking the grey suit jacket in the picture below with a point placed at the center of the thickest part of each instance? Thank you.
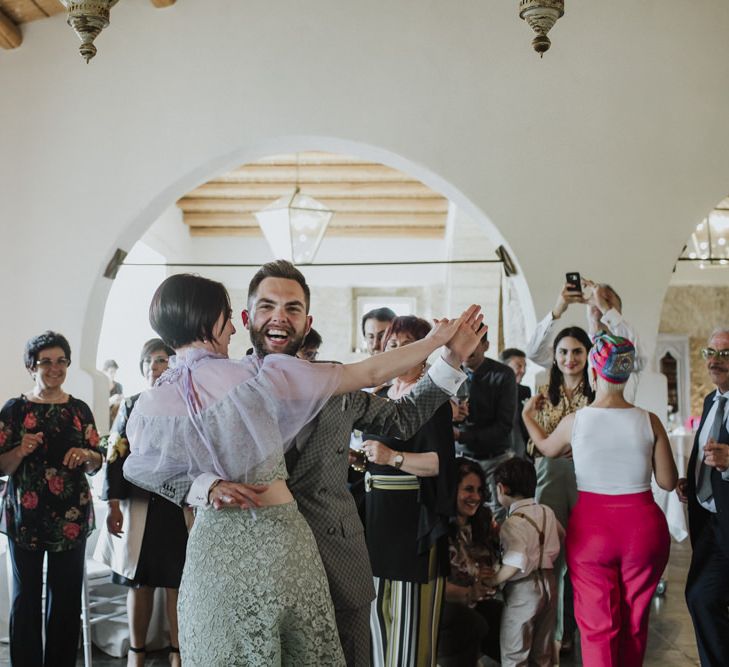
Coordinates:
(318, 479)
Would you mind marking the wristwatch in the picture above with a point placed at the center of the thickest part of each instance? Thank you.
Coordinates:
(399, 458)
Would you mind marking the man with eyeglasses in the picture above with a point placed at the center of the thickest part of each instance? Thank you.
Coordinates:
(706, 490)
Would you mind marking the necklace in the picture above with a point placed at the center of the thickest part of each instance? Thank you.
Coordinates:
(401, 387)
(37, 397)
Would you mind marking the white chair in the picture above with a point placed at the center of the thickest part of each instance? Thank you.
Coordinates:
(96, 576)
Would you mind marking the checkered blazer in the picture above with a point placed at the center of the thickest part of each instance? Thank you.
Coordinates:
(318, 470)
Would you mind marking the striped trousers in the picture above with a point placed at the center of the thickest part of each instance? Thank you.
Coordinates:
(404, 622)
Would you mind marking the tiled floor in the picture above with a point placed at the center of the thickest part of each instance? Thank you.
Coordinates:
(671, 639)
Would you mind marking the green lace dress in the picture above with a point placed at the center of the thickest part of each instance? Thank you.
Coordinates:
(254, 591)
(267, 601)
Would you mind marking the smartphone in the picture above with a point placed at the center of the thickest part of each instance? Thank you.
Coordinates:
(574, 282)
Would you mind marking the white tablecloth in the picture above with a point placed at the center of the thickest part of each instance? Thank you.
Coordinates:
(675, 511)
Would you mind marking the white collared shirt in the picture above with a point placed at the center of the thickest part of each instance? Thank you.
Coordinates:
(703, 437)
(520, 540)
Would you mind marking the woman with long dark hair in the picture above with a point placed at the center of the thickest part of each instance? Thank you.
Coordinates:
(471, 617)
(568, 390)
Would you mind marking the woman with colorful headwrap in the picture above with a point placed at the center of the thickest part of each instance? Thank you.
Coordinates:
(617, 537)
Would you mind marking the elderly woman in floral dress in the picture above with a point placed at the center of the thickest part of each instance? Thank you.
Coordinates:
(48, 441)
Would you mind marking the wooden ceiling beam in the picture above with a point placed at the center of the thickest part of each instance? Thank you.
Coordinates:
(10, 35)
(364, 219)
(313, 157)
(312, 173)
(343, 205)
(336, 232)
(318, 190)
(24, 11)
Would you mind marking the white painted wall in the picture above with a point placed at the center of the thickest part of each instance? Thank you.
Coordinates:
(597, 158)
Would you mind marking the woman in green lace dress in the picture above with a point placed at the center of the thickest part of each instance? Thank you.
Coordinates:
(48, 443)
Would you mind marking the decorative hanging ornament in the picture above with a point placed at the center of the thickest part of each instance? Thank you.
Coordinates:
(541, 15)
(88, 18)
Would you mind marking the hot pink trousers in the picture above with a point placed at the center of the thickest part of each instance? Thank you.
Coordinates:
(617, 549)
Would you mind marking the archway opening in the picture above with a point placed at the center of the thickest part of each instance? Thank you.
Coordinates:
(399, 234)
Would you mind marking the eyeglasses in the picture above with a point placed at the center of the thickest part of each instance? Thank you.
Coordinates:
(711, 353)
(49, 363)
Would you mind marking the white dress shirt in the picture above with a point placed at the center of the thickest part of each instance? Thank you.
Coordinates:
(703, 437)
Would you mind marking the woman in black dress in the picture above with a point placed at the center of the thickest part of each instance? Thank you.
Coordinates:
(410, 497)
(153, 532)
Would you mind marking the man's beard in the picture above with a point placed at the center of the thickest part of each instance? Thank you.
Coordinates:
(260, 344)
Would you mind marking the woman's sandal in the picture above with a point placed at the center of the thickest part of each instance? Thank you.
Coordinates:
(173, 654)
(136, 652)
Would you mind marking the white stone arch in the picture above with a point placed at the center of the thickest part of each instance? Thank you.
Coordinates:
(180, 184)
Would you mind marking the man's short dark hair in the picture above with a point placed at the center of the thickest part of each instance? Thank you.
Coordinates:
(153, 345)
(383, 314)
(510, 353)
(42, 342)
(185, 309)
(518, 476)
(279, 268)
(312, 339)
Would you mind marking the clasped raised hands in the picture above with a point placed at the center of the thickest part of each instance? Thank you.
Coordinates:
(460, 336)
(461, 332)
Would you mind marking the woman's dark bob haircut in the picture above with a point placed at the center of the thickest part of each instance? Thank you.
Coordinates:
(150, 347)
(42, 342)
(185, 308)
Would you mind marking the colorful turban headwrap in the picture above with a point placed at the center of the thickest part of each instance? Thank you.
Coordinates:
(612, 357)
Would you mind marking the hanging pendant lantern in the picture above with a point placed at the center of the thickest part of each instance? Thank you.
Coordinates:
(88, 18)
(294, 226)
(541, 15)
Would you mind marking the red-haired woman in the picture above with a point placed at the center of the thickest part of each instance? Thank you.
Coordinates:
(411, 488)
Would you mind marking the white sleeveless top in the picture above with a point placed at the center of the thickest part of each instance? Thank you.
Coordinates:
(613, 450)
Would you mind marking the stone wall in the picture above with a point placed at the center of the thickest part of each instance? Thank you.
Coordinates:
(695, 311)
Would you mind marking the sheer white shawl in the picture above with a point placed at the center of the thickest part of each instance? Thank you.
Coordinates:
(233, 418)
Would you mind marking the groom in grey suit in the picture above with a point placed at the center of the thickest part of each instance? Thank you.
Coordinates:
(278, 319)
(319, 462)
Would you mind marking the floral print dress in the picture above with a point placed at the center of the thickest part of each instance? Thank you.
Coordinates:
(46, 505)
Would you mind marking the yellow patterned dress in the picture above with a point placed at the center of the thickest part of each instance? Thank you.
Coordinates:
(556, 483)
